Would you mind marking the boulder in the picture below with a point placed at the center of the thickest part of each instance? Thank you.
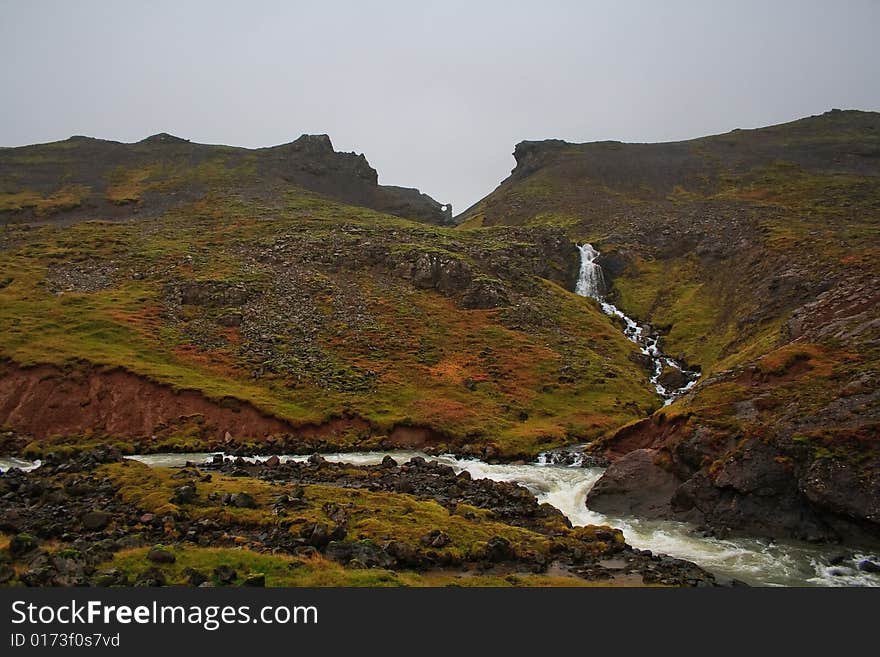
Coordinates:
(95, 520)
(254, 579)
(404, 554)
(185, 494)
(161, 555)
(498, 549)
(634, 486)
(868, 566)
(151, 577)
(225, 574)
(194, 577)
(672, 378)
(435, 539)
(317, 534)
(242, 500)
(843, 488)
(112, 577)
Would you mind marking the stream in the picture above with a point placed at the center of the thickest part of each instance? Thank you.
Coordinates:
(591, 283)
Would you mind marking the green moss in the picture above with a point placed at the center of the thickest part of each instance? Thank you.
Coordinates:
(286, 571)
(65, 198)
(377, 517)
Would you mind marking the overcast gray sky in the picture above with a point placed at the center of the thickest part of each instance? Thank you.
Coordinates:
(435, 94)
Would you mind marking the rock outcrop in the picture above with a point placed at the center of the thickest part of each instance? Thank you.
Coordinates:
(102, 179)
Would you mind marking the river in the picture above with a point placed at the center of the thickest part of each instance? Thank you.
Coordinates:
(757, 562)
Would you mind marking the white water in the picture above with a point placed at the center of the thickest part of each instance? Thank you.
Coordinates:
(754, 561)
(7, 462)
(591, 283)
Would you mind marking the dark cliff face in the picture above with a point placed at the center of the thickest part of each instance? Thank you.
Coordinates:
(532, 155)
(86, 178)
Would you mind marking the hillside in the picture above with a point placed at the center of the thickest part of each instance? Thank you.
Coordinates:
(755, 254)
(174, 297)
(86, 178)
(225, 305)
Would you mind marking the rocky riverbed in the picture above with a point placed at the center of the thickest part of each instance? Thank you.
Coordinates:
(78, 521)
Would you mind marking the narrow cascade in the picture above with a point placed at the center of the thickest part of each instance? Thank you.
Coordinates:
(591, 283)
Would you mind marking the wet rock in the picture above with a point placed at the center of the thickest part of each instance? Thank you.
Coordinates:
(272, 462)
(672, 378)
(388, 462)
(868, 566)
(634, 485)
(843, 488)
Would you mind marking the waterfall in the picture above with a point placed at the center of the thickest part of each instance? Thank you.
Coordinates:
(591, 283)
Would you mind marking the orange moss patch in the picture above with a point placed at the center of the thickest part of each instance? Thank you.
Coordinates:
(216, 361)
(795, 360)
(440, 412)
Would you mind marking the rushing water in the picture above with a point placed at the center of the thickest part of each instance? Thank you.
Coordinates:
(591, 283)
(754, 561)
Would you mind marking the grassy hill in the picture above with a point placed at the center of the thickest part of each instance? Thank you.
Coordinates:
(86, 178)
(182, 267)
